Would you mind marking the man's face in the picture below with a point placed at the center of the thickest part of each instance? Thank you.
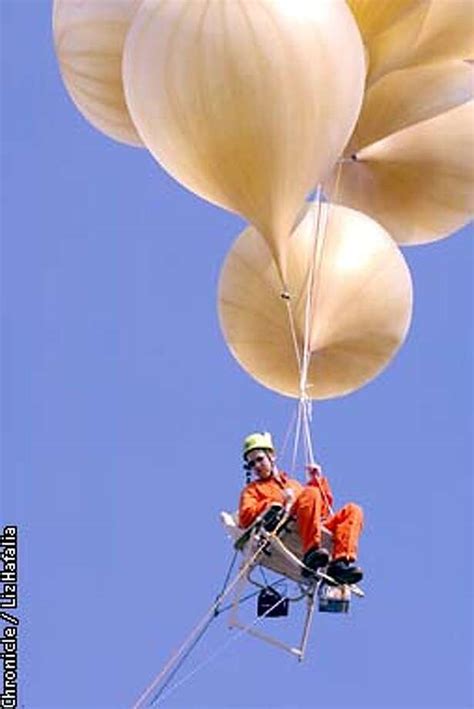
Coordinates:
(261, 462)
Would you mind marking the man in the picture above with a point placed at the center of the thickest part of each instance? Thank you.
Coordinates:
(310, 504)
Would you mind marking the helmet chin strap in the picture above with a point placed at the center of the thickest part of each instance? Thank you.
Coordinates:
(275, 472)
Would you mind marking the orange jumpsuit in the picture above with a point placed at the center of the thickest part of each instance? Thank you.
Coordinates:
(311, 508)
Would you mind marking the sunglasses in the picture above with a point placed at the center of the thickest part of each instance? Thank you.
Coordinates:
(252, 463)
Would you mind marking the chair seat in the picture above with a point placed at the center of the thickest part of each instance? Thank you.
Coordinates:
(284, 553)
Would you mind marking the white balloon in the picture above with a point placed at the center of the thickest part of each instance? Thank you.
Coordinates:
(89, 36)
(361, 304)
(246, 102)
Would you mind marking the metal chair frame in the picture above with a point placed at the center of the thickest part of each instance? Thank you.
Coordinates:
(284, 558)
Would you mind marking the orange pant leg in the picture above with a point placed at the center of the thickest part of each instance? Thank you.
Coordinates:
(346, 526)
(308, 507)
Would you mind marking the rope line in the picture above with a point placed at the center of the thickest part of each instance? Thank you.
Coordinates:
(312, 298)
(226, 608)
(309, 301)
(313, 289)
(332, 198)
(297, 439)
(307, 432)
(217, 612)
(303, 358)
(204, 620)
(227, 578)
(181, 661)
(209, 615)
(286, 440)
(294, 337)
(221, 648)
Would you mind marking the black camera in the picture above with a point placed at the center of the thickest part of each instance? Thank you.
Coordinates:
(271, 604)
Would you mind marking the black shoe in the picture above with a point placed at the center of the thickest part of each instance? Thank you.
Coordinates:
(314, 559)
(344, 571)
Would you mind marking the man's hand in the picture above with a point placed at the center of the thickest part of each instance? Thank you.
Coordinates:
(289, 496)
(314, 470)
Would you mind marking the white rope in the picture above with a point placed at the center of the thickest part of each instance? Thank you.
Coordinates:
(304, 403)
(352, 158)
(291, 425)
(307, 432)
(312, 298)
(309, 302)
(297, 438)
(320, 241)
(303, 358)
(287, 298)
(218, 651)
(178, 653)
(299, 360)
(320, 231)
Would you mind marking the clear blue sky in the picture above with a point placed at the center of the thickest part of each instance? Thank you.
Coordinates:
(122, 418)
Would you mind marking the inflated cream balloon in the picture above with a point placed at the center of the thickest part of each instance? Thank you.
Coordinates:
(362, 301)
(246, 102)
(408, 97)
(446, 33)
(374, 17)
(89, 36)
(420, 32)
(412, 166)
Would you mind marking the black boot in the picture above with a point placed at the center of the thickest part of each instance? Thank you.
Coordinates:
(344, 571)
(315, 558)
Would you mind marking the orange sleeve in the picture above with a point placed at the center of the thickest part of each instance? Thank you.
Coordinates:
(250, 507)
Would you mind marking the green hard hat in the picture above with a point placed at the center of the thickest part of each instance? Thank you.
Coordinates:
(256, 441)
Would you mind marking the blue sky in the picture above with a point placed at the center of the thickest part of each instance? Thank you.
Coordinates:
(122, 419)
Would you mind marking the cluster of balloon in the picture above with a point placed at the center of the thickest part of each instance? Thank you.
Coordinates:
(253, 103)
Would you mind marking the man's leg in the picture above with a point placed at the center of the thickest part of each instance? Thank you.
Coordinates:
(346, 526)
(307, 508)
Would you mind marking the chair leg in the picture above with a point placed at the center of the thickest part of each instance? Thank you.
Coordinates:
(307, 625)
